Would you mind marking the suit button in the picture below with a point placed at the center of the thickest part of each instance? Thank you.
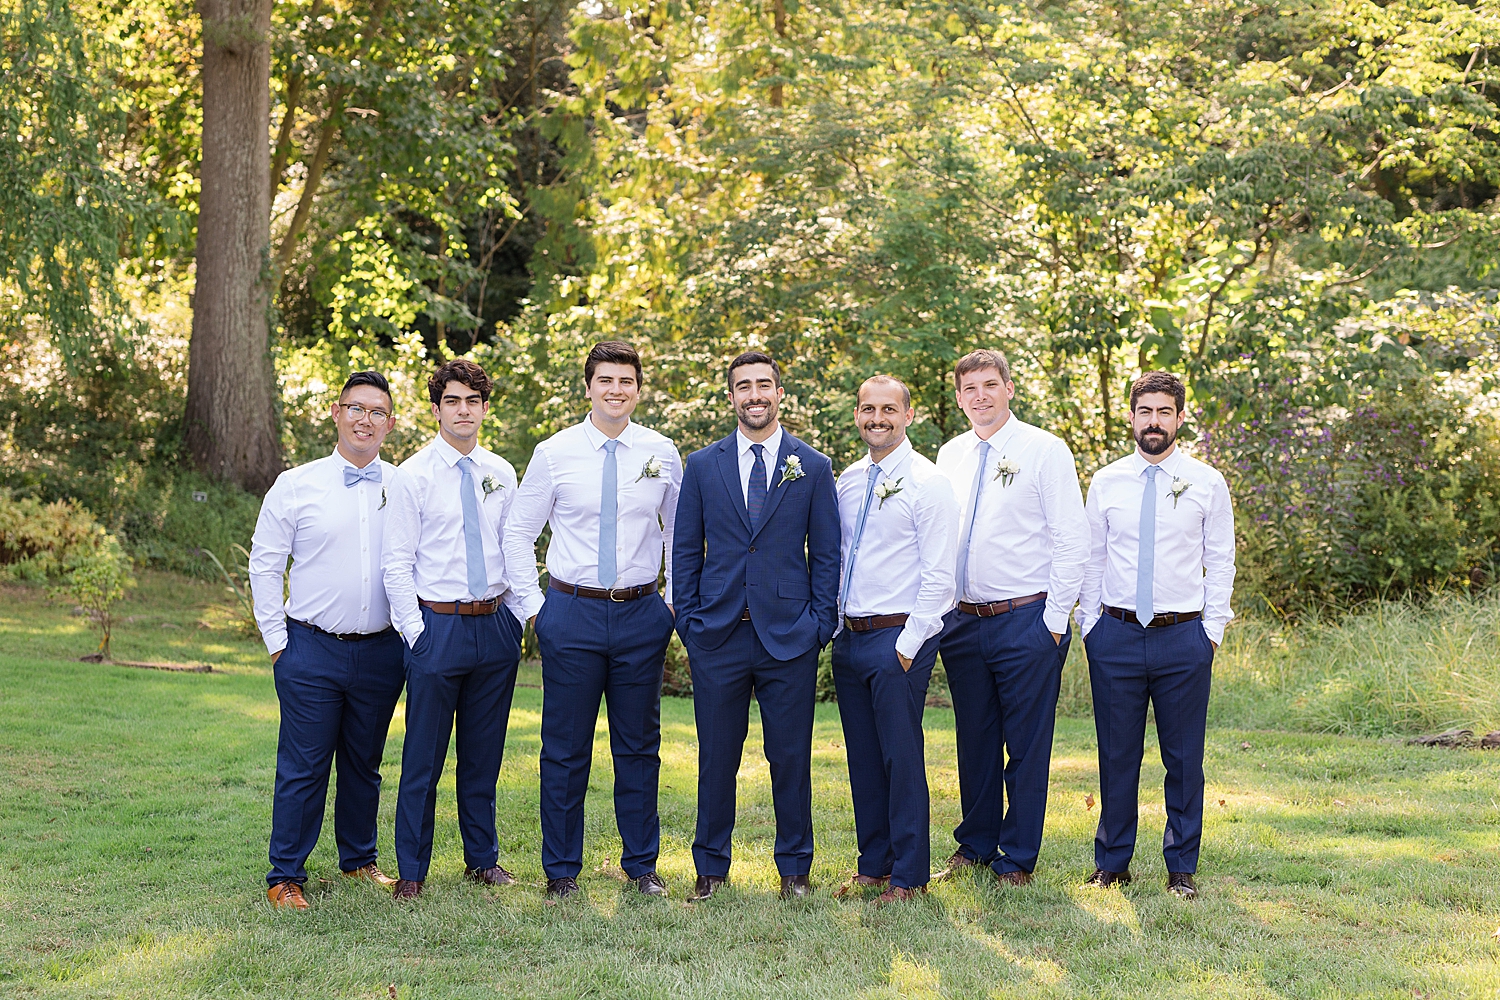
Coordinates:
(752, 548)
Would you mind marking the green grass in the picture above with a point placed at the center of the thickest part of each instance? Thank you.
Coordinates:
(134, 808)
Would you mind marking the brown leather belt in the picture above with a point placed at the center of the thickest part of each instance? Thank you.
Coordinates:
(994, 608)
(1163, 619)
(616, 594)
(874, 622)
(488, 607)
(342, 636)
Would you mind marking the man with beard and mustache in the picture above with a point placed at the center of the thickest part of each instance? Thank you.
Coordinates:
(1154, 605)
(900, 530)
(1022, 546)
(755, 567)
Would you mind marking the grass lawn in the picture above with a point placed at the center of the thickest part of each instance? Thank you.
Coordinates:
(134, 808)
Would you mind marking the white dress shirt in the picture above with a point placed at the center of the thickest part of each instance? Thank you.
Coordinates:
(1030, 534)
(424, 541)
(563, 484)
(747, 461)
(907, 551)
(332, 534)
(1194, 568)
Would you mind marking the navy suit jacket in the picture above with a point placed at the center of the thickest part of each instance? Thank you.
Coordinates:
(786, 571)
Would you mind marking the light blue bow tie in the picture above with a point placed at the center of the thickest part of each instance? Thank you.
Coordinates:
(353, 475)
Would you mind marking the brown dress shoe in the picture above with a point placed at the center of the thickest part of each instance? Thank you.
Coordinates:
(407, 889)
(795, 887)
(287, 896)
(862, 882)
(1181, 884)
(494, 875)
(960, 862)
(1013, 878)
(706, 886)
(370, 873)
(562, 888)
(899, 894)
(651, 884)
(1102, 879)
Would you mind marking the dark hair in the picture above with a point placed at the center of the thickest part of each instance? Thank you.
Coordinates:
(889, 379)
(611, 352)
(753, 358)
(977, 361)
(374, 380)
(459, 370)
(1159, 382)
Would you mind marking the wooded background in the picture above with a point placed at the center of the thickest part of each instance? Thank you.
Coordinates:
(209, 215)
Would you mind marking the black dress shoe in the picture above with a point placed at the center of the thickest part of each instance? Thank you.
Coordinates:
(493, 875)
(562, 888)
(1102, 879)
(795, 887)
(651, 884)
(1182, 884)
(706, 886)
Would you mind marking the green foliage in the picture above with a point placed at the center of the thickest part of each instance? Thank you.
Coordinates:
(237, 586)
(42, 541)
(98, 576)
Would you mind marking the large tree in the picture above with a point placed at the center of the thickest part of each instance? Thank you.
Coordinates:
(231, 412)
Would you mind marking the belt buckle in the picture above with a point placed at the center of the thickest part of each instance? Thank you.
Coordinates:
(985, 610)
(611, 594)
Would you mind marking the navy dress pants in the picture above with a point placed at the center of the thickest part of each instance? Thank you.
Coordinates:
(1003, 673)
(881, 707)
(1173, 667)
(337, 698)
(592, 648)
(462, 670)
(786, 691)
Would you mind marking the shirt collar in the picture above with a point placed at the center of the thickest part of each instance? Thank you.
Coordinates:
(892, 462)
(1169, 465)
(596, 437)
(772, 443)
(343, 462)
(1001, 437)
(450, 455)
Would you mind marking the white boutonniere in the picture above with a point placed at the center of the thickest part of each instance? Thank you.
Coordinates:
(382, 499)
(651, 470)
(1005, 471)
(1179, 487)
(886, 490)
(791, 470)
(491, 485)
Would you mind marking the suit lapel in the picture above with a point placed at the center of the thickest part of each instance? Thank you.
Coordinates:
(729, 468)
(777, 488)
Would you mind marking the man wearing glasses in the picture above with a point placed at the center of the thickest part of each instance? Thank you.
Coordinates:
(337, 661)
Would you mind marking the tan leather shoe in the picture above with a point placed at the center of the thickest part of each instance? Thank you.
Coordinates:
(900, 894)
(287, 896)
(369, 873)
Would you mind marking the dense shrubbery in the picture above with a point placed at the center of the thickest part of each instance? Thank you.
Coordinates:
(39, 541)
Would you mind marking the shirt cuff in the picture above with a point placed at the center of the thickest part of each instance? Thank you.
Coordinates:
(1214, 631)
(909, 642)
(275, 639)
(529, 605)
(1056, 621)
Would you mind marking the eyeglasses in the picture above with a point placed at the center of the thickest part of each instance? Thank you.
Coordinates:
(358, 413)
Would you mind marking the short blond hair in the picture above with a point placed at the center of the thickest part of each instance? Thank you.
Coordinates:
(978, 361)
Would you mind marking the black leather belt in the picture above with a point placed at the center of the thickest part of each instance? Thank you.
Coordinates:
(341, 636)
(472, 608)
(874, 622)
(994, 608)
(616, 594)
(1161, 620)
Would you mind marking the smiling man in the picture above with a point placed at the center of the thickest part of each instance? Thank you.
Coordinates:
(1021, 550)
(608, 487)
(1153, 609)
(755, 564)
(451, 598)
(336, 659)
(899, 522)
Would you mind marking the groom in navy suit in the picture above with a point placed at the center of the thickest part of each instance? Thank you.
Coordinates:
(755, 567)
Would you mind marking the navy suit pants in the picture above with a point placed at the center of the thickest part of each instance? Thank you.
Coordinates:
(723, 680)
(1004, 673)
(1172, 666)
(592, 648)
(337, 698)
(461, 671)
(881, 707)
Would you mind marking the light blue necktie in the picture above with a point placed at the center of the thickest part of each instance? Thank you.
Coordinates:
(609, 512)
(1145, 571)
(473, 540)
(962, 577)
(859, 533)
(353, 475)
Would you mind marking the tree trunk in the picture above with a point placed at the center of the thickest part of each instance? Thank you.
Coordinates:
(231, 406)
